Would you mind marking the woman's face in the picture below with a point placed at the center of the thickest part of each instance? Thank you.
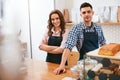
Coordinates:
(55, 20)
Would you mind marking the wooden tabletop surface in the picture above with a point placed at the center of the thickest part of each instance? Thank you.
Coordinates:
(40, 70)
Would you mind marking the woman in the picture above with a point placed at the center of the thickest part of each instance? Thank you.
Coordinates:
(55, 37)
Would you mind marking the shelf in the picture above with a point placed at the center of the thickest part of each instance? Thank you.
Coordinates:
(110, 23)
(69, 25)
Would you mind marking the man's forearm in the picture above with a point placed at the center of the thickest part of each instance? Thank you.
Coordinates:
(65, 56)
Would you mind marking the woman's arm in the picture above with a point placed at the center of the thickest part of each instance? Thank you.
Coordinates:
(46, 47)
(51, 49)
(58, 50)
(44, 43)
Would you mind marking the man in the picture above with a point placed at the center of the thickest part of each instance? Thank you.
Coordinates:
(86, 36)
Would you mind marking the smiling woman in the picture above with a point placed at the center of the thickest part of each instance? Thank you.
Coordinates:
(55, 37)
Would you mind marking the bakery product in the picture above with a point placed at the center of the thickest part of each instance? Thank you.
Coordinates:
(109, 49)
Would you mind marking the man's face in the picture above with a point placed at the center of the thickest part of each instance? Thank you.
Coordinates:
(86, 13)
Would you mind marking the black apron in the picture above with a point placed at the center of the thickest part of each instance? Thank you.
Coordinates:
(54, 41)
(90, 42)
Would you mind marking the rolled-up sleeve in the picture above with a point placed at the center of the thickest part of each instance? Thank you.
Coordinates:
(65, 35)
(45, 38)
(101, 38)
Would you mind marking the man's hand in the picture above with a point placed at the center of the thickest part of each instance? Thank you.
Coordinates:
(59, 70)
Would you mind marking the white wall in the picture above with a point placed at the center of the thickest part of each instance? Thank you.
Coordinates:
(77, 3)
(112, 33)
(16, 15)
(39, 12)
(60, 4)
(32, 25)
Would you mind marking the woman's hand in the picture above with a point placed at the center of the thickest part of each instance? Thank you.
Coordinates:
(59, 70)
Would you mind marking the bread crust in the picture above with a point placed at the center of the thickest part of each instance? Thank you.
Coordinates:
(109, 49)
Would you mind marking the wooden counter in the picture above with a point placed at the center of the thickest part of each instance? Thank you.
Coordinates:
(35, 70)
(40, 70)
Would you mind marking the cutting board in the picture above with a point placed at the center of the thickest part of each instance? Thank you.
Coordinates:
(94, 53)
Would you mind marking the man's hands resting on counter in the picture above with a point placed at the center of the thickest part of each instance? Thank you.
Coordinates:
(59, 70)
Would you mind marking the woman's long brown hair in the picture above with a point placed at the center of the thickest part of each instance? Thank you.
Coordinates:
(62, 22)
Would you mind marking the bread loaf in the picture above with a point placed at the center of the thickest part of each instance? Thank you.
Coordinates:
(106, 71)
(109, 49)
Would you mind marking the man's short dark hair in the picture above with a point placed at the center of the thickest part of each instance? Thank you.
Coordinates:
(85, 4)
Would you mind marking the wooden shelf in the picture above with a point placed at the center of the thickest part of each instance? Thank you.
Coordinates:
(110, 23)
(69, 25)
